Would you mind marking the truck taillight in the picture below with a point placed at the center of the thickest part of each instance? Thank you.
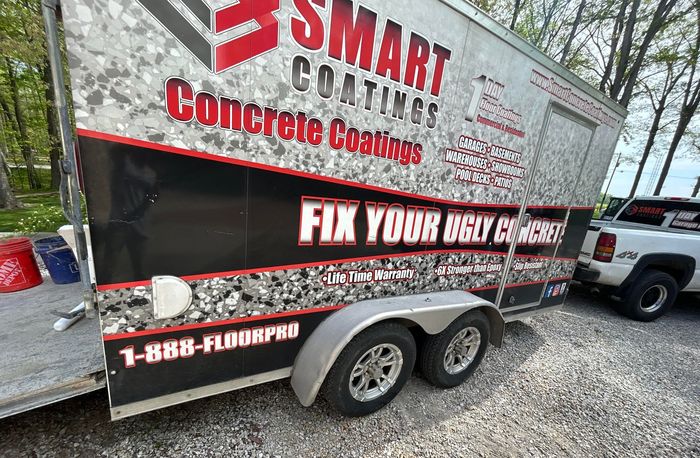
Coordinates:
(605, 248)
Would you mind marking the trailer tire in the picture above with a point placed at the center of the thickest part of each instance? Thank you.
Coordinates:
(446, 371)
(651, 295)
(359, 366)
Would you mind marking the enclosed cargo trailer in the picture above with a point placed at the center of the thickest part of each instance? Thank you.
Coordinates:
(330, 190)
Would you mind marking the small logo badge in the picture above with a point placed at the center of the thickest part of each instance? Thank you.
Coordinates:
(632, 210)
(11, 272)
(550, 288)
(557, 289)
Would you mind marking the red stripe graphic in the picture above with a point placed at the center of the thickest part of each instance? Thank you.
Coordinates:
(185, 327)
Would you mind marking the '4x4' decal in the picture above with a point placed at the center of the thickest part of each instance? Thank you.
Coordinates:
(628, 255)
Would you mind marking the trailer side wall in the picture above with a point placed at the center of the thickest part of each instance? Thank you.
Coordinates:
(288, 158)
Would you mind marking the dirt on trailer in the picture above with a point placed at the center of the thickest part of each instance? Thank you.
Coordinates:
(582, 381)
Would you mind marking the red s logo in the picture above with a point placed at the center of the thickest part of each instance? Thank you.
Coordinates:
(211, 48)
(252, 44)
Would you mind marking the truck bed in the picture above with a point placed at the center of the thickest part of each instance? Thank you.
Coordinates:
(40, 366)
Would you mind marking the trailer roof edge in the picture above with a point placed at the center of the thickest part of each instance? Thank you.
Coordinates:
(518, 42)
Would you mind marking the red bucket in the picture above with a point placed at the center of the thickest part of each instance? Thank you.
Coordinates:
(18, 269)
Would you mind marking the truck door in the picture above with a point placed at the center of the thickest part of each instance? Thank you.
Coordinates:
(545, 255)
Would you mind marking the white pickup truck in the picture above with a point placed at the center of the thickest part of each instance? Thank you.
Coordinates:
(644, 251)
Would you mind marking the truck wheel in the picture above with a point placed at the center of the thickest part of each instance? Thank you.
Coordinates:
(652, 294)
(450, 357)
(371, 370)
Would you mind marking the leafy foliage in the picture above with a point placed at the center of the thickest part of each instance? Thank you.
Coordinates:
(22, 65)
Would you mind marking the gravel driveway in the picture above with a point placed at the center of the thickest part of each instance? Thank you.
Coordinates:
(582, 381)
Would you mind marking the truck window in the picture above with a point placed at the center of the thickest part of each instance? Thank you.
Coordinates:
(686, 215)
(613, 207)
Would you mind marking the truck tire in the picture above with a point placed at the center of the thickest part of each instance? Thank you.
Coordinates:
(371, 369)
(450, 357)
(651, 295)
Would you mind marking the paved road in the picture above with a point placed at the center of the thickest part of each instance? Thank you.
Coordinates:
(583, 381)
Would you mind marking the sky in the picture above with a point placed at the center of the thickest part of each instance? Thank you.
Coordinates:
(680, 182)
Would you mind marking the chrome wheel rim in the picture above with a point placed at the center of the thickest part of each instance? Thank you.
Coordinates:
(653, 298)
(375, 372)
(462, 350)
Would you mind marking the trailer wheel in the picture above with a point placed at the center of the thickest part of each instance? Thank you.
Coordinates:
(450, 357)
(371, 369)
(651, 295)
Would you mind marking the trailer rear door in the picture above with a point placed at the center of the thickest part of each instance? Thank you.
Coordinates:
(563, 147)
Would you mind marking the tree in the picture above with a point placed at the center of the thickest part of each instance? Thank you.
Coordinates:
(25, 91)
(25, 144)
(7, 197)
(516, 12)
(572, 33)
(560, 28)
(622, 46)
(55, 149)
(660, 90)
(689, 105)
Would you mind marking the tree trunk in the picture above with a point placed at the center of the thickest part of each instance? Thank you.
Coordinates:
(27, 154)
(658, 22)
(697, 188)
(10, 147)
(617, 30)
(653, 130)
(7, 197)
(516, 12)
(625, 51)
(572, 34)
(53, 128)
(544, 27)
(691, 100)
(677, 136)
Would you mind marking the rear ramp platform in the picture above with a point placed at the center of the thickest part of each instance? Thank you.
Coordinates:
(40, 366)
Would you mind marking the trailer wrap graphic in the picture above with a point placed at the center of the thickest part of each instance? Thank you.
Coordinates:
(302, 254)
(287, 158)
(221, 56)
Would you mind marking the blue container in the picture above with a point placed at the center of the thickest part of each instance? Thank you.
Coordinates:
(59, 259)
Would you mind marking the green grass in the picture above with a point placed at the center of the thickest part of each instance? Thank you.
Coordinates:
(20, 182)
(41, 213)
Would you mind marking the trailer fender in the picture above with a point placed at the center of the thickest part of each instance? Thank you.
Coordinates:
(433, 312)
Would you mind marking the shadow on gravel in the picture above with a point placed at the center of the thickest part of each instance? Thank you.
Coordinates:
(420, 406)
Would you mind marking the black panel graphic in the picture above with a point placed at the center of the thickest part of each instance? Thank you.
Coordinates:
(180, 215)
(165, 363)
(521, 294)
(166, 213)
(545, 220)
(576, 228)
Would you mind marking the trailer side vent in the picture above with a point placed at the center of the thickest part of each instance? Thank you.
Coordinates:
(171, 296)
